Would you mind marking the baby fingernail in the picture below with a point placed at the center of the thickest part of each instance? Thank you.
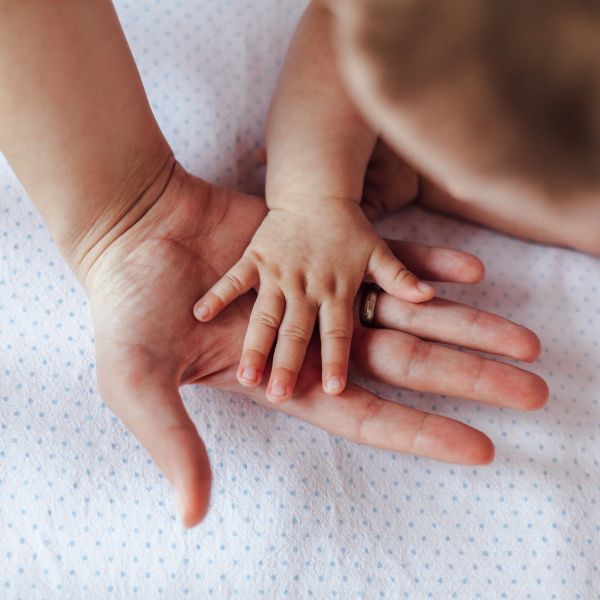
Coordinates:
(249, 374)
(425, 288)
(202, 311)
(333, 384)
(278, 389)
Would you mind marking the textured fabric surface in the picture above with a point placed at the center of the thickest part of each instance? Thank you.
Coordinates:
(296, 513)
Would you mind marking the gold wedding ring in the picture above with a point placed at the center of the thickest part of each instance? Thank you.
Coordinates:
(367, 304)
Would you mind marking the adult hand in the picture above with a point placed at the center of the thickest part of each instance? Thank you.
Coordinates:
(142, 289)
(147, 240)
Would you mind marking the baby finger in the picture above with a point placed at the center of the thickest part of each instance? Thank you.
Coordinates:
(335, 330)
(241, 278)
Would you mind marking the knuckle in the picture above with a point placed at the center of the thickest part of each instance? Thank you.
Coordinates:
(265, 319)
(253, 356)
(233, 281)
(336, 333)
(371, 412)
(410, 316)
(478, 375)
(473, 317)
(295, 333)
(342, 292)
(417, 358)
(402, 274)
(413, 436)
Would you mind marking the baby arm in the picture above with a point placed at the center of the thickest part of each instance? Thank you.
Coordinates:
(315, 246)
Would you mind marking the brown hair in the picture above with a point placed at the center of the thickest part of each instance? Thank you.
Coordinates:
(539, 61)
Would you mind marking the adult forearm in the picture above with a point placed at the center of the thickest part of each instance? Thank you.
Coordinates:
(317, 142)
(75, 123)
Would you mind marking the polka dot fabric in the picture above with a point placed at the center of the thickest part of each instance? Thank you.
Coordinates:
(296, 513)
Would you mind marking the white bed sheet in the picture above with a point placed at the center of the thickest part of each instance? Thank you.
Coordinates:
(296, 513)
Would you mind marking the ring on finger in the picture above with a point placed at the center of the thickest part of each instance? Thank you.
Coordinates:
(367, 304)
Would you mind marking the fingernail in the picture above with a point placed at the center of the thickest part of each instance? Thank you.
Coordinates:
(425, 288)
(180, 505)
(278, 389)
(333, 384)
(249, 374)
(202, 311)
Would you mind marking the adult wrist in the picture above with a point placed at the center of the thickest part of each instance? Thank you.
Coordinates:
(119, 205)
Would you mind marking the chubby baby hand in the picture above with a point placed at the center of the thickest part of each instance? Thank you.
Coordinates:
(307, 264)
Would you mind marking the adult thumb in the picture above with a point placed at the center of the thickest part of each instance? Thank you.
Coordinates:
(154, 413)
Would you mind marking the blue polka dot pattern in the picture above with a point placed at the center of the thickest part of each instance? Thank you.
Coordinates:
(296, 513)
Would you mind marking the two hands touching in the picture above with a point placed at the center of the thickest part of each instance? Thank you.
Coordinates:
(148, 343)
(147, 239)
(308, 259)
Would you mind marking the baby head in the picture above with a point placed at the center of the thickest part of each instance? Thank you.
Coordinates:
(487, 97)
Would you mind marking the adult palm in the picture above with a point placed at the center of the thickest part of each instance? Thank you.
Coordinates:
(142, 289)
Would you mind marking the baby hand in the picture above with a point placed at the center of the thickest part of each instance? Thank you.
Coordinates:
(307, 263)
